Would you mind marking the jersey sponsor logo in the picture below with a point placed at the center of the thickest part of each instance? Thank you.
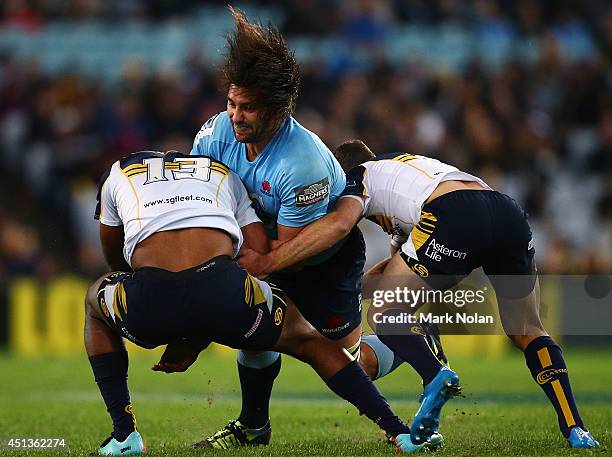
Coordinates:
(545, 376)
(278, 316)
(128, 335)
(266, 187)
(435, 251)
(335, 323)
(311, 194)
(420, 269)
(335, 329)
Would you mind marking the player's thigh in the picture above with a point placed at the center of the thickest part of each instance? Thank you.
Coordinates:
(399, 273)
(296, 332)
(96, 299)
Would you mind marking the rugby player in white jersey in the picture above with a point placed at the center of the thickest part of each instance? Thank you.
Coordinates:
(444, 223)
(170, 225)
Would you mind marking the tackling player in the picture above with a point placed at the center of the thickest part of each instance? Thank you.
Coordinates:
(177, 221)
(293, 179)
(426, 204)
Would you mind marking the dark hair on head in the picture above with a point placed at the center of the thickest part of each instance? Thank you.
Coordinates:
(259, 61)
(352, 153)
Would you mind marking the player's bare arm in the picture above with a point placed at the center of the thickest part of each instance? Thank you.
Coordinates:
(312, 240)
(111, 238)
(255, 238)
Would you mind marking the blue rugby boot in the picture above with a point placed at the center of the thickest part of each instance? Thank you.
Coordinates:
(235, 434)
(427, 419)
(132, 445)
(580, 438)
(404, 444)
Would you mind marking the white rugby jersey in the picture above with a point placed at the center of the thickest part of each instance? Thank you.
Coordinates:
(149, 192)
(394, 187)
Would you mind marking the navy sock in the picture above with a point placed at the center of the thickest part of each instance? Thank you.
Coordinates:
(354, 385)
(545, 361)
(415, 350)
(110, 372)
(256, 385)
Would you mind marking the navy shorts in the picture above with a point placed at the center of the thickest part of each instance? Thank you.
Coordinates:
(329, 294)
(217, 302)
(463, 230)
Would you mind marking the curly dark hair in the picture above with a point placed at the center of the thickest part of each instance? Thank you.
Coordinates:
(259, 61)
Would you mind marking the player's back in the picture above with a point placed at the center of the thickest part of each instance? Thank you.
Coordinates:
(394, 187)
(154, 193)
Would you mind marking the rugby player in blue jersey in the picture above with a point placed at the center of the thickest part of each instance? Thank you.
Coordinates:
(293, 180)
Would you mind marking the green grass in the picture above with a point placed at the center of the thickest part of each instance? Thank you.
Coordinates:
(503, 411)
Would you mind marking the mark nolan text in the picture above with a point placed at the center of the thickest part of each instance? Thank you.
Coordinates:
(430, 318)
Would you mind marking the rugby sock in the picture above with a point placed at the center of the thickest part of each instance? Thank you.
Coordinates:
(355, 386)
(415, 350)
(387, 361)
(545, 361)
(257, 374)
(110, 372)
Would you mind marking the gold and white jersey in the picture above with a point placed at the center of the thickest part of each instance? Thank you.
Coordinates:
(394, 187)
(149, 192)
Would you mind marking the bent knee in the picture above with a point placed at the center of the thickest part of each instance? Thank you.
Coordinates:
(91, 297)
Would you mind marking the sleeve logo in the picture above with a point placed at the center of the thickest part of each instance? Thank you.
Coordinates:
(313, 193)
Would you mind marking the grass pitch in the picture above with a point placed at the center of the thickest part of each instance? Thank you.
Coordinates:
(503, 412)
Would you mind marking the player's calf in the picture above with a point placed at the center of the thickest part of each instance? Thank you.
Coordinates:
(109, 363)
(545, 361)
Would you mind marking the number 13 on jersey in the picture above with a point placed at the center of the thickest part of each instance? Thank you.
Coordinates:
(181, 168)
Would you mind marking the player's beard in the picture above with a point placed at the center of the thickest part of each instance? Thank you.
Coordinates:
(252, 137)
(256, 134)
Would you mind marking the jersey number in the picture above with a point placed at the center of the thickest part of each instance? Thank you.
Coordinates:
(181, 167)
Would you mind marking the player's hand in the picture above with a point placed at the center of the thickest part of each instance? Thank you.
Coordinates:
(177, 357)
(254, 263)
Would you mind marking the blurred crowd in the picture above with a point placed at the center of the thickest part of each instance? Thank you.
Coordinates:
(538, 130)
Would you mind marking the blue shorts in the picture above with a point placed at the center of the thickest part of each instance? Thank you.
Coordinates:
(329, 294)
(217, 302)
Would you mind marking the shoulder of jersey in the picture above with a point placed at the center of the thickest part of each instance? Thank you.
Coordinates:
(218, 127)
(301, 144)
(395, 156)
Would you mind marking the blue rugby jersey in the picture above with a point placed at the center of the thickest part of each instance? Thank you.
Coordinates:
(294, 181)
